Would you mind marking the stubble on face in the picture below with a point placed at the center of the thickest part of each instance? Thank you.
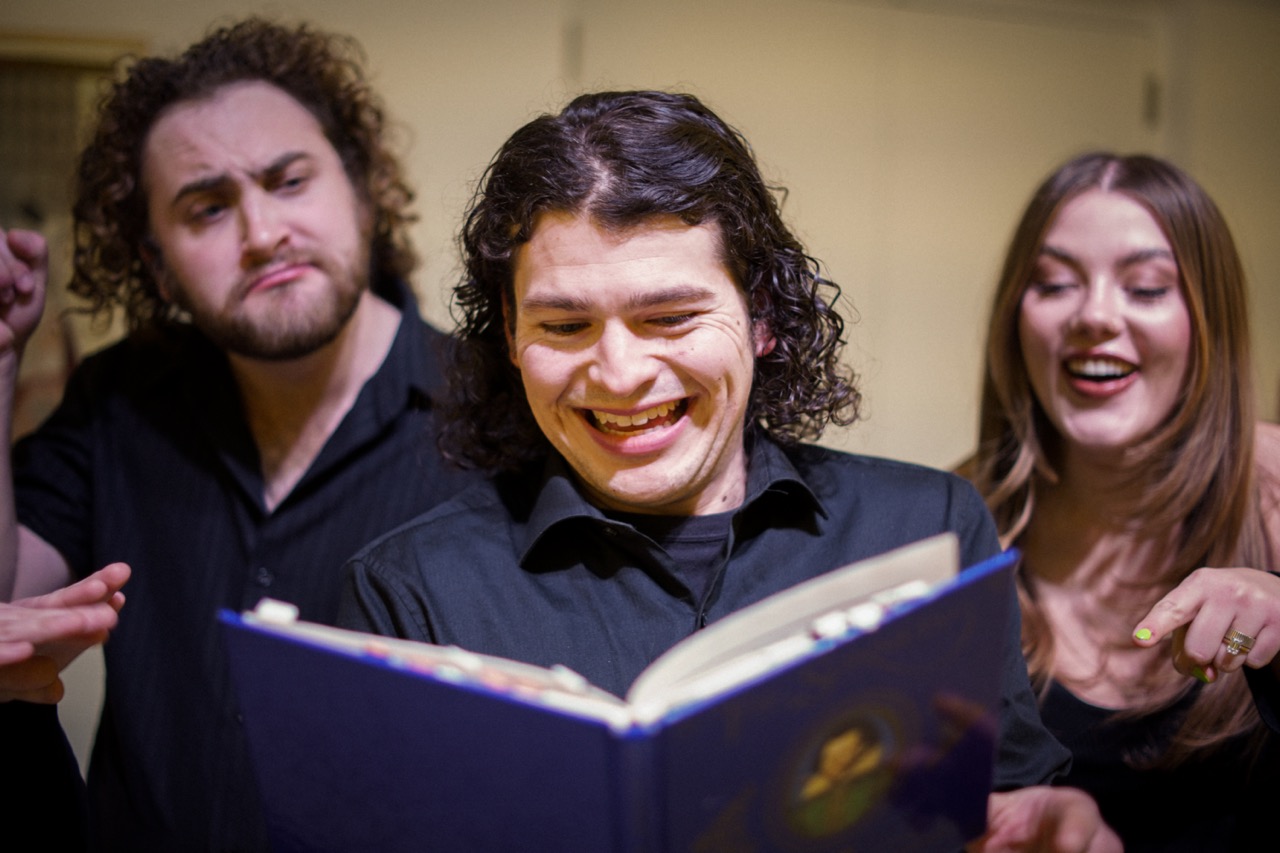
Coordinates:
(637, 353)
(281, 327)
(259, 236)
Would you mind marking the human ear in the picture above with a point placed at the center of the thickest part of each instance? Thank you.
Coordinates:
(761, 332)
(509, 329)
(154, 262)
(762, 335)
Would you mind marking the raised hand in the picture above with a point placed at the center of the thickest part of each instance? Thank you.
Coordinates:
(24, 268)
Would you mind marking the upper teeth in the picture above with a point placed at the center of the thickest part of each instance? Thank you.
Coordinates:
(1098, 367)
(638, 419)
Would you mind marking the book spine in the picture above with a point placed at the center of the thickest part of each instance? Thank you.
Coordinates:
(639, 821)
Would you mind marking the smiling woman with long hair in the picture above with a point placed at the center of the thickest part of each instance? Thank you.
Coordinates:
(1118, 451)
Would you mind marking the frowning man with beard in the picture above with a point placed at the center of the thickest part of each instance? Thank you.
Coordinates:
(269, 412)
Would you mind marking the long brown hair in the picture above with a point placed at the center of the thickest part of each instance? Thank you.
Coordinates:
(1196, 469)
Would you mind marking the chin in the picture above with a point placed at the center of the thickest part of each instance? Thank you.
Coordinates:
(641, 497)
(1108, 444)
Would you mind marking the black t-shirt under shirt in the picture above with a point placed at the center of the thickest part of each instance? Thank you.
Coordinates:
(696, 544)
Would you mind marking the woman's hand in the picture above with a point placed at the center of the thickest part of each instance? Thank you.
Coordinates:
(1042, 819)
(1206, 610)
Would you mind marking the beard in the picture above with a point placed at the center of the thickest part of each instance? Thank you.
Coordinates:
(281, 324)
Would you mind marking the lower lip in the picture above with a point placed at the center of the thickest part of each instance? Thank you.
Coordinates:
(1101, 390)
(638, 444)
(279, 278)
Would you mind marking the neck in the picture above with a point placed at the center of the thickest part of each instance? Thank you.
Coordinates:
(1088, 529)
(294, 406)
(1095, 567)
(1107, 485)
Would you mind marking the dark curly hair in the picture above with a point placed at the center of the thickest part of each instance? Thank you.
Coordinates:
(322, 71)
(623, 159)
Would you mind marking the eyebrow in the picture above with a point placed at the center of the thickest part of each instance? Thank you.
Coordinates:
(648, 299)
(219, 182)
(1132, 259)
(678, 293)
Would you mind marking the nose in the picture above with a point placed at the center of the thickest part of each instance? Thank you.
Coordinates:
(263, 226)
(1099, 312)
(621, 363)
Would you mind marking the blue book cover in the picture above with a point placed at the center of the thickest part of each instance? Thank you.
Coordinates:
(834, 716)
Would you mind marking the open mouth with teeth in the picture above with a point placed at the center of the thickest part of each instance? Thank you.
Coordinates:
(662, 415)
(1099, 369)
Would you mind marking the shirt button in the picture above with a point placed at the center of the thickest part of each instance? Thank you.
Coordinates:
(264, 577)
(609, 531)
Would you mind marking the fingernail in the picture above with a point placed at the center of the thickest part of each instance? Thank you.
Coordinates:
(1201, 675)
(1143, 633)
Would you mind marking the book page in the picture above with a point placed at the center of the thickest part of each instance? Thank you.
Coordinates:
(790, 624)
(557, 687)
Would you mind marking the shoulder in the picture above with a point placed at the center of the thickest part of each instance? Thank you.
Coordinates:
(144, 372)
(472, 525)
(400, 296)
(423, 333)
(1267, 449)
(146, 358)
(839, 472)
(423, 349)
(903, 500)
(461, 557)
(1267, 462)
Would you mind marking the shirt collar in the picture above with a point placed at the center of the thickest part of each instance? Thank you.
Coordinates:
(411, 375)
(415, 361)
(417, 355)
(770, 476)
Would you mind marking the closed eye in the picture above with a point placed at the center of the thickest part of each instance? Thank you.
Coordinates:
(1051, 288)
(1149, 294)
(563, 329)
(1156, 284)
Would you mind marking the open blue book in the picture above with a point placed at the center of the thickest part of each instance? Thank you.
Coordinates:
(857, 711)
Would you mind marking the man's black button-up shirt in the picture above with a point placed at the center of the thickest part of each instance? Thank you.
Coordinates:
(526, 568)
(149, 461)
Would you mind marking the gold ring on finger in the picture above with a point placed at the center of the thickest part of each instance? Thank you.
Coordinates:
(1237, 642)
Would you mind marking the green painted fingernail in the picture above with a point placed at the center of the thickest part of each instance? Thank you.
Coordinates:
(1143, 633)
(1200, 674)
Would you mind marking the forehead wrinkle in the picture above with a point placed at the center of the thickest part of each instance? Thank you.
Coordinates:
(647, 299)
(223, 180)
(667, 295)
(554, 302)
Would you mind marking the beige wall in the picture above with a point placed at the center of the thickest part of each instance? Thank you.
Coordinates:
(909, 133)
(1231, 57)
